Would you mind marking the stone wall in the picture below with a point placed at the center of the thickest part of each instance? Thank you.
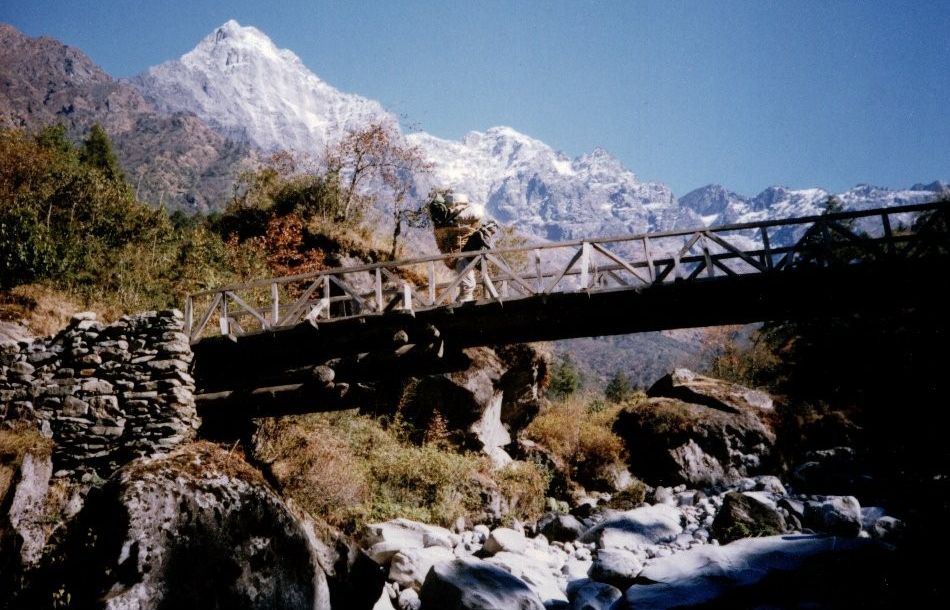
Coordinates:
(105, 394)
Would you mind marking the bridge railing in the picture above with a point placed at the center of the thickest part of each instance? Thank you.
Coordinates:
(628, 262)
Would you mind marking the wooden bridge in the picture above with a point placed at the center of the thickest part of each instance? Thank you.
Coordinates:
(269, 342)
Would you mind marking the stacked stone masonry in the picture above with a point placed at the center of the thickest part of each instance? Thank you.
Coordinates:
(105, 394)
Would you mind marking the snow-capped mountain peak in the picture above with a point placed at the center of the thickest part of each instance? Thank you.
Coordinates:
(245, 87)
(232, 44)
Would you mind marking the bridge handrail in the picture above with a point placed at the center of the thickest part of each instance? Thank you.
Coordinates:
(837, 216)
(659, 269)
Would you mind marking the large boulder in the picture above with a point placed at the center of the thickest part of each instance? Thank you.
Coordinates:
(743, 516)
(473, 584)
(483, 404)
(710, 573)
(685, 385)
(672, 442)
(635, 529)
(534, 571)
(196, 529)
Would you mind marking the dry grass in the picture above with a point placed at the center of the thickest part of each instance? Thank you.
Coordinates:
(15, 443)
(524, 487)
(582, 438)
(348, 469)
(43, 310)
(201, 460)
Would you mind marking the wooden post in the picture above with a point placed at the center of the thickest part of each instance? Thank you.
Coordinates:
(585, 266)
(710, 270)
(379, 290)
(766, 248)
(537, 265)
(326, 295)
(189, 316)
(431, 283)
(223, 322)
(274, 304)
(649, 258)
(888, 234)
(406, 297)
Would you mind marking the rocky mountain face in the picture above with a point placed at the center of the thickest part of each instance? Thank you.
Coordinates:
(717, 205)
(172, 159)
(250, 91)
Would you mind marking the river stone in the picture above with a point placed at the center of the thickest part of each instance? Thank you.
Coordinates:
(707, 573)
(409, 567)
(838, 515)
(594, 596)
(560, 527)
(633, 529)
(615, 567)
(473, 584)
(505, 539)
(742, 516)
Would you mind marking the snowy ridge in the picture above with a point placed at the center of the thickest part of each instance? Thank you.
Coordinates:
(246, 88)
(718, 206)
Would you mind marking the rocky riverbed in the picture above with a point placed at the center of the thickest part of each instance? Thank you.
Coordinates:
(150, 518)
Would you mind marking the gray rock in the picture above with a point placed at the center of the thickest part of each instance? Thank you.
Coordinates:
(685, 385)
(533, 571)
(594, 596)
(742, 516)
(473, 584)
(870, 515)
(632, 530)
(615, 567)
(27, 510)
(705, 447)
(383, 540)
(190, 530)
(706, 573)
(408, 600)
(838, 515)
(505, 539)
(560, 527)
(888, 529)
(409, 567)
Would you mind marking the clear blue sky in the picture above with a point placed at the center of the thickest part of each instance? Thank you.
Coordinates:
(742, 93)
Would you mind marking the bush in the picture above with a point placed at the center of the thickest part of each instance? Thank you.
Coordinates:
(581, 439)
(563, 380)
(630, 497)
(523, 484)
(350, 469)
(618, 388)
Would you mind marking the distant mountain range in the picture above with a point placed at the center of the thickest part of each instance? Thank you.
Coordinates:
(185, 128)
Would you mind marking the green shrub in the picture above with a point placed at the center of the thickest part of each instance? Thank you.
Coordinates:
(630, 497)
(563, 380)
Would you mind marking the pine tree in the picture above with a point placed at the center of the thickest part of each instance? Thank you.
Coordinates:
(97, 152)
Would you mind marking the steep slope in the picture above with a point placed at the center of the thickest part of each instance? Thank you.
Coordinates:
(174, 159)
(250, 91)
